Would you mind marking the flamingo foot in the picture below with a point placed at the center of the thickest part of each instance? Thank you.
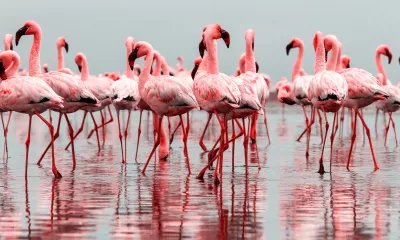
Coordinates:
(56, 173)
(203, 146)
(321, 169)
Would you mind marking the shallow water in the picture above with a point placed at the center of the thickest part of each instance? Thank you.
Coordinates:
(285, 199)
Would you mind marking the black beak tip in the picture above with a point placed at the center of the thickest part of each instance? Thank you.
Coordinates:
(257, 67)
(66, 47)
(11, 47)
(288, 47)
(79, 68)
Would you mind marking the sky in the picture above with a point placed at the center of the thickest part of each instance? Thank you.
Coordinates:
(174, 27)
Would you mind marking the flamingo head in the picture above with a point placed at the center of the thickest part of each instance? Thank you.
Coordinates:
(2, 71)
(197, 63)
(329, 41)
(29, 28)
(215, 32)
(294, 43)
(129, 42)
(345, 60)
(62, 43)
(249, 37)
(384, 50)
(140, 49)
(80, 58)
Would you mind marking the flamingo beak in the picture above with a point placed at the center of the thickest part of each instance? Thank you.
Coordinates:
(348, 65)
(132, 57)
(257, 67)
(66, 46)
(389, 55)
(326, 55)
(202, 47)
(226, 37)
(20, 33)
(12, 47)
(2, 71)
(79, 68)
(252, 46)
(194, 71)
(288, 47)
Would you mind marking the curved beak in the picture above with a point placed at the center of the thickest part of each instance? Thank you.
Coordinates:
(66, 46)
(226, 37)
(12, 47)
(19, 34)
(202, 47)
(257, 67)
(132, 57)
(252, 45)
(348, 65)
(389, 55)
(194, 71)
(79, 68)
(2, 71)
(288, 47)
(326, 55)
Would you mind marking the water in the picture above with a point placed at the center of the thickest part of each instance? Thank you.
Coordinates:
(285, 199)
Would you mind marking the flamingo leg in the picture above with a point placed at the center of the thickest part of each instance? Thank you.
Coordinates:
(56, 135)
(361, 111)
(139, 132)
(387, 131)
(341, 121)
(266, 126)
(169, 129)
(50, 118)
(187, 125)
(220, 153)
(321, 160)
(309, 132)
(27, 143)
(173, 133)
(56, 173)
(103, 124)
(353, 138)
(245, 142)
(79, 130)
(97, 132)
(332, 139)
(156, 143)
(394, 128)
(185, 149)
(126, 132)
(5, 152)
(233, 144)
(320, 126)
(120, 136)
(204, 132)
(253, 133)
(376, 122)
(71, 136)
(369, 139)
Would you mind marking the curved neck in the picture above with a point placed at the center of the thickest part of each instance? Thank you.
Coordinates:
(157, 69)
(85, 69)
(164, 66)
(145, 73)
(212, 64)
(60, 58)
(319, 64)
(332, 61)
(129, 71)
(297, 64)
(204, 63)
(242, 61)
(250, 63)
(338, 60)
(380, 67)
(13, 69)
(34, 56)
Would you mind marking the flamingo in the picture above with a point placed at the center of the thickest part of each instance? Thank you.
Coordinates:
(214, 91)
(76, 95)
(30, 95)
(285, 95)
(125, 95)
(166, 95)
(99, 86)
(392, 104)
(327, 89)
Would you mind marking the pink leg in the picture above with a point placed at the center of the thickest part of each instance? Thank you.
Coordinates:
(97, 133)
(51, 143)
(185, 149)
(120, 136)
(376, 121)
(169, 130)
(187, 125)
(50, 118)
(173, 133)
(332, 139)
(71, 135)
(353, 138)
(102, 126)
(253, 133)
(103, 123)
(387, 131)
(394, 129)
(156, 143)
(309, 131)
(361, 111)
(5, 152)
(233, 144)
(79, 130)
(369, 138)
(139, 132)
(27, 143)
(266, 126)
(246, 142)
(320, 126)
(126, 131)
(217, 180)
(56, 173)
(321, 160)
(204, 132)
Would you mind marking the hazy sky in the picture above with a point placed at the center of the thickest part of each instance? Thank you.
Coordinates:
(99, 29)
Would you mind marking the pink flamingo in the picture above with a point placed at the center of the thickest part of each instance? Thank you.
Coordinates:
(382, 79)
(61, 43)
(285, 93)
(327, 89)
(392, 104)
(125, 95)
(29, 95)
(363, 91)
(74, 92)
(100, 87)
(214, 91)
(165, 94)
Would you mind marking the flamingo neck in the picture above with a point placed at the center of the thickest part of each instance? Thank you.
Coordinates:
(338, 60)
(85, 69)
(60, 58)
(164, 67)
(380, 67)
(332, 61)
(250, 62)
(204, 63)
(157, 69)
(212, 65)
(319, 64)
(242, 63)
(129, 71)
(145, 73)
(34, 56)
(13, 69)
(297, 64)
